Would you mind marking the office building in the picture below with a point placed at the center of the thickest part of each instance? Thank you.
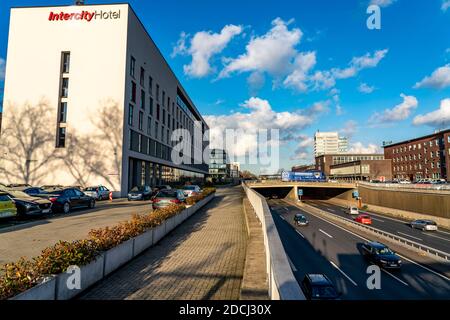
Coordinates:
(218, 165)
(324, 162)
(329, 143)
(108, 101)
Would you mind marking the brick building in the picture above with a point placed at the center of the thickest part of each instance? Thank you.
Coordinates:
(363, 170)
(303, 167)
(324, 162)
(425, 157)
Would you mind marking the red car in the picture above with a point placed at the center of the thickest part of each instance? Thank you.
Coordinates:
(364, 219)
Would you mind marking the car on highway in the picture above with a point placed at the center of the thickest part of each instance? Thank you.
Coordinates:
(424, 225)
(66, 199)
(165, 198)
(7, 206)
(364, 219)
(98, 193)
(140, 193)
(352, 210)
(28, 206)
(380, 254)
(191, 190)
(319, 287)
(300, 219)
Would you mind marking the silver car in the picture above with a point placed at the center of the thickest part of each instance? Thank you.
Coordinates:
(98, 192)
(191, 190)
(424, 225)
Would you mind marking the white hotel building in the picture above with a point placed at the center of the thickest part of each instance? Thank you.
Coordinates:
(112, 101)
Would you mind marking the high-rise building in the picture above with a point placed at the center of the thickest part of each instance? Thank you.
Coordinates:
(329, 143)
(104, 100)
(218, 165)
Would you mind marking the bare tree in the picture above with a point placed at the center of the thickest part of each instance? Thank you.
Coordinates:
(26, 144)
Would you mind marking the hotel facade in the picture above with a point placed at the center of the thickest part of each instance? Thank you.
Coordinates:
(101, 99)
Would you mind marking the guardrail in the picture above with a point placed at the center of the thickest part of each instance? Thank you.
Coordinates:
(282, 283)
(412, 186)
(434, 253)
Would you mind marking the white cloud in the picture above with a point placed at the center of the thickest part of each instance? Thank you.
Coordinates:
(255, 81)
(398, 113)
(382, 3)
(303, 63)
(2, 69)
(359, 147)
(303, 149)
(349, 129)
(439, 79)
(365, 88)
(260, 115)
(203, 46)
(437, 118)
(445, 5)
(271, 52)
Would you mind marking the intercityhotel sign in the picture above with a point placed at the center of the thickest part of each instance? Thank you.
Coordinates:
(84, 15)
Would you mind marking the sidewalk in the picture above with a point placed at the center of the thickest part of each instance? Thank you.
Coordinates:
(201, 259)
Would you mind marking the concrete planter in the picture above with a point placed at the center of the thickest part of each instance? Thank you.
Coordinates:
(159, 232)
(44, 291)
(143, 242)
(179, 219)
(117, 256)
(170, 224)
(89, 274)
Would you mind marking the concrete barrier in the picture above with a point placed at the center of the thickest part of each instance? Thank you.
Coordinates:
(159, 232)
(282, 283)
(89, 274)
(118, 256)
(44, 291)
(143, 242)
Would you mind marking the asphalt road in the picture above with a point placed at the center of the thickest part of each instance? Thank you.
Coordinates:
(323, 247)
(435, 239)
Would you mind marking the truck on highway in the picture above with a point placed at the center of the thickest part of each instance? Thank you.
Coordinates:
(303, 176)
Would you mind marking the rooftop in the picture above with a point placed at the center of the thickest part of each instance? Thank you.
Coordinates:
(418, 138)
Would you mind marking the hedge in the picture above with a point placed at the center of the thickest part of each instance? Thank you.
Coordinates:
(19, 276)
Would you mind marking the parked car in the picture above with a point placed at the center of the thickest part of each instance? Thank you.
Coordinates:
(191, 190)
(66, 199)
(165, 198)
(319, 287)
(380, 254)
(28, 206)
(352, 210)
(300, 219)
(31, 191)
(404, 182)
(424, 225)
(50, 188)
(7, 206)
(364, 219)
(98, 192)
(140, 193)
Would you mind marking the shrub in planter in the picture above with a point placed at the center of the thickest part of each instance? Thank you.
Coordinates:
(17, 277)
(109, 237)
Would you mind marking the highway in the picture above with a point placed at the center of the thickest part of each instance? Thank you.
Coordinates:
(436, 239)
(323, 247)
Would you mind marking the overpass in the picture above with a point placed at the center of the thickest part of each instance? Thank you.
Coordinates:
(309, 190)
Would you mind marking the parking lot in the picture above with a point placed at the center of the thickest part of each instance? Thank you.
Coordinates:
(28, 238)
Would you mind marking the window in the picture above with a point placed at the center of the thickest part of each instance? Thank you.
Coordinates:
(163, 98)
(141, 120)
(65, 88)
(150, 85)
(168, 120)
(142, 99)
(65, 62)
(157, 92)
(142, 77)
(156, 130)
(133, 91)
(61, 143)
(149, 126)
(151, 106)
(63, 112)
(168, 136)
(132, 66)
(130, 114)
(157, 112)
(431, 154)
(432, 165)
(164, 116)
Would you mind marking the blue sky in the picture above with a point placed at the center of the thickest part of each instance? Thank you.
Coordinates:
(320, 56)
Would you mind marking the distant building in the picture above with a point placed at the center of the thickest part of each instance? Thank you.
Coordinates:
(218, 160)
(303, 167)
(329, 143)
(324, 162)
(363, 170)
(426, 157)
(233, 169)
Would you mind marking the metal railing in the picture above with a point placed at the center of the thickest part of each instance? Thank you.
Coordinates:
(412, 186)
(282, 283)
(432, 252)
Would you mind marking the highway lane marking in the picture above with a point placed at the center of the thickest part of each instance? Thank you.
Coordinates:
(292, 264)
(401, 256)
(300, 233)
(376, 219)
(407, 235)
(326, 233)
(282, 217)
(286, 209)
(396, 278)
(432, 235)
(344, 274)
(443, 232)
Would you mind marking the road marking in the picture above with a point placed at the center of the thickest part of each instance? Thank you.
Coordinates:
(376, 219)
(344, 274)
(286, 209)
(401, 256)
(325, 233)
(300, 233)
(443, 232)
(432, 235)
(396, 278)
(282, 217)
(407, 235)
(292, 264)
